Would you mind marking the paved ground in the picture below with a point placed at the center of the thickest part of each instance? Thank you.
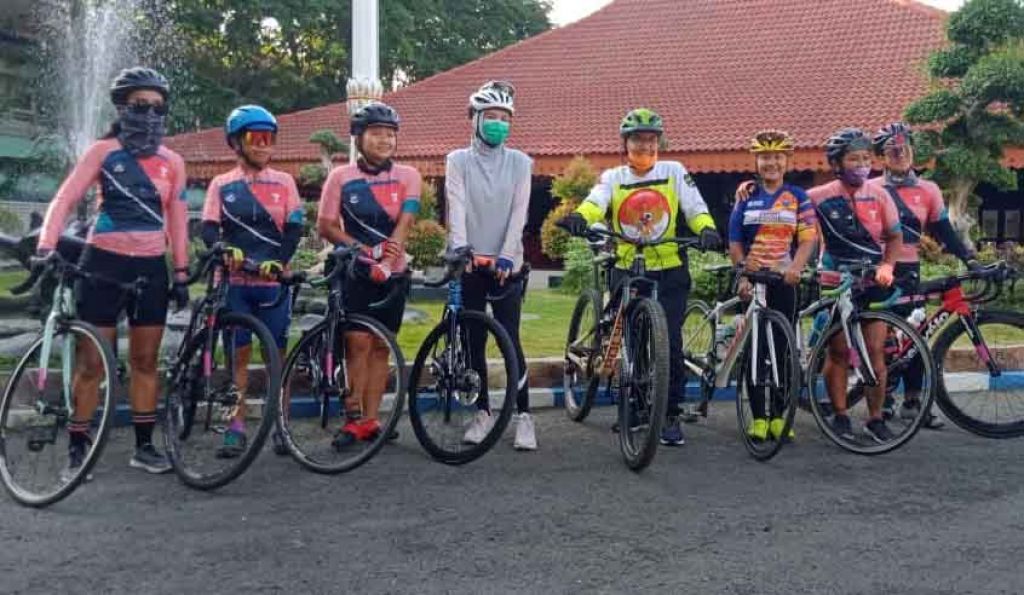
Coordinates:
(943, 515)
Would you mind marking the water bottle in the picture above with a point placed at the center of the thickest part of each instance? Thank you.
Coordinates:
(723, 336)
(916, 317)
(818, 328)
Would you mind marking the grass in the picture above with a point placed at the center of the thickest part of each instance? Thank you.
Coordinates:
(545, 323)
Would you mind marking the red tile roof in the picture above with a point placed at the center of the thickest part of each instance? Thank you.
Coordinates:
(717, 70)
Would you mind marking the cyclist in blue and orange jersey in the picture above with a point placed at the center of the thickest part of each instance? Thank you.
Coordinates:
(257, 212)
(487, 189)
(372, 203)
(859, 223)
(140, 210)
(646, 198)
(921, 210)
(775, 228)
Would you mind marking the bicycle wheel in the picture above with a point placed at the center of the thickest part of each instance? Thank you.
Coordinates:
(699, 349)
(316, 382)
(986, 404)
(211, 394)
(859, 437)
(448, 386)
(773, 397)
(643, 387)
(38, 462)
(580, 380)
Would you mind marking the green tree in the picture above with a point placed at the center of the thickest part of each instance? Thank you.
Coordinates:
(977, 104)
(289, 55)
(570, 189)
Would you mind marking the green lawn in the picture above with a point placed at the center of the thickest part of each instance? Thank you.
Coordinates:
(546, 317)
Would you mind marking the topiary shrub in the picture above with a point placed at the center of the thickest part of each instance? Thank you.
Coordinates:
(578, 268)
(425, 244)
(570, 188)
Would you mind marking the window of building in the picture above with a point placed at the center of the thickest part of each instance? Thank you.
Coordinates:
(990, 224)
(1011, 225)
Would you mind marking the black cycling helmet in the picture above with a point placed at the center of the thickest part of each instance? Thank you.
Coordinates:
(889, 132)
(133, 79)
(844, 141)
(373, 114)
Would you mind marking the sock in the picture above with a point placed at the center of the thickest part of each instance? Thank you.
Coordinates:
(237, 426)
(78, 433)
(144, 424)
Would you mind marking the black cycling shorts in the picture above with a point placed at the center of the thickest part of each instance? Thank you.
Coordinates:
(100, 302)
(360, 293)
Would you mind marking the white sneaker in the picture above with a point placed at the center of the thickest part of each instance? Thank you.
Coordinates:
(526, 435)
(478, 428)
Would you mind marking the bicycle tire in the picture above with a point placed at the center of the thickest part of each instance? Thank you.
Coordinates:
(638, 454)
(236, 466)
(309, 339)
(699, 348)
(578, 409)
(950, 406)
(99, 436)
(511, 365)
(791, 371)
(928, 384)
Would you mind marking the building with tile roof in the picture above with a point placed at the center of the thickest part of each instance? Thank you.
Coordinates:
(716, 70)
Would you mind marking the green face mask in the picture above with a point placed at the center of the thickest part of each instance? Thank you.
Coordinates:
(494, 132)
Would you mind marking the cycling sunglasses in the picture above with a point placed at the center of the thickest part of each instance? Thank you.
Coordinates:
(259, 138)
(142, 107)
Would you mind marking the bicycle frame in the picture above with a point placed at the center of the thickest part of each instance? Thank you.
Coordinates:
(747, 327)
(62, 309)
(954, 307)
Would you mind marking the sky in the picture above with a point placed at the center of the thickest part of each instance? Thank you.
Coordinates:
(564, 12)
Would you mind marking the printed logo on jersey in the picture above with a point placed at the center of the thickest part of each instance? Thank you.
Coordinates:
(118, 168)
(353, 199)
(229, 197)
(644, 214)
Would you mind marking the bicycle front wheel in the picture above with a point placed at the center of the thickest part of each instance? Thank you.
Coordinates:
(462, 387)
(986, 401)
(40, 461)
(699, 349)
(221, 399)
(644, 385)
(317, 380)
(580, 379)
(765, 407)
(876, 421)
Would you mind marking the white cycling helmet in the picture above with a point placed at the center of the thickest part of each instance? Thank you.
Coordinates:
(493, 95)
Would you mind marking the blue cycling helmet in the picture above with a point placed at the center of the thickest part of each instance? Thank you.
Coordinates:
(248, 117)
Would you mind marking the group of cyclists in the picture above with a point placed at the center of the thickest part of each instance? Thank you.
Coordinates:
(256, 211)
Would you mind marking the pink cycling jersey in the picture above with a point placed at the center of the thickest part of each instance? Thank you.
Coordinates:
(163, 215)
(275, 194)
(924, 199)
(368, 206)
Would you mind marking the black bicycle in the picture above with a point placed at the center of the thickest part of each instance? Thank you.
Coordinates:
(227, 369)
(317, 380)
(594, 352)
(39, 407)
(451, 378)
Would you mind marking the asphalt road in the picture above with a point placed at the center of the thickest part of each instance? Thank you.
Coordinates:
(943, 515)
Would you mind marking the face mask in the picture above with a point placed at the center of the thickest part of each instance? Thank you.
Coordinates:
(642, 162)
(494, 132)
(855, 176)
(141, 134)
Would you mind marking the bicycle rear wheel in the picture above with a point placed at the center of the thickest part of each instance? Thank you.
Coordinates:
(448, 386)
(580, 379)
(39, 464)
(772, 399)
(208, 393)
(969, 393)
(859, 437)
(643, 387)
(312, 407)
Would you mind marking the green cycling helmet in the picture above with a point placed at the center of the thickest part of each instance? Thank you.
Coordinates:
(641, 119)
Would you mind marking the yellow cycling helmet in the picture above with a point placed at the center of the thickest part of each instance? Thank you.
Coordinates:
(771, 141)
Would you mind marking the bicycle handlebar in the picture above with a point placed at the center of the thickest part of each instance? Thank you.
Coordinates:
(689, 243)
